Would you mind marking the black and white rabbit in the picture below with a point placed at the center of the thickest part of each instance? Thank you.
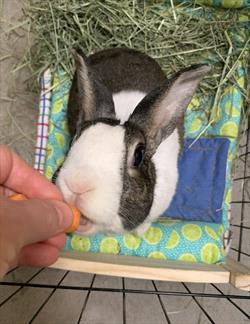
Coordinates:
(125, 119)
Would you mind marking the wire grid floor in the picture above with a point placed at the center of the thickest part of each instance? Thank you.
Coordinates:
(56, 296)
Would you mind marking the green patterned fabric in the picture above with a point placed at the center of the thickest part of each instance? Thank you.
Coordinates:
(58, 137)
(225, 3)
(166, 239)
(221, 3)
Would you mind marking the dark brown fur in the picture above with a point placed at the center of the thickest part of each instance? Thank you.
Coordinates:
(124, 69)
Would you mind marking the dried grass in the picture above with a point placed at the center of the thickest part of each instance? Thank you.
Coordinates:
(176, 35)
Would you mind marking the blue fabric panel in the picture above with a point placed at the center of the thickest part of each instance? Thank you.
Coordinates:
(201, 185)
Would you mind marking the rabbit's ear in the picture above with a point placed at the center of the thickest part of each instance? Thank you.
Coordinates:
(158, 113)
(94, 98)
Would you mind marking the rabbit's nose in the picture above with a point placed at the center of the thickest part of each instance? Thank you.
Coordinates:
(77, 187)
(79, 182)
(74, 198)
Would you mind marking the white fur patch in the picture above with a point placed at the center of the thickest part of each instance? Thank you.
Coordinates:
(91, 176)
(125, 103)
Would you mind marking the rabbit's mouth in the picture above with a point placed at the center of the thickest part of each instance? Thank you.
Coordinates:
(85, 224)
(88, 227)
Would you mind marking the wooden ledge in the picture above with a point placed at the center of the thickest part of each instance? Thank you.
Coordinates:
(142, 268)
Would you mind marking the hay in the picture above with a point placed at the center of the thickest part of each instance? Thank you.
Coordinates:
(176, 35)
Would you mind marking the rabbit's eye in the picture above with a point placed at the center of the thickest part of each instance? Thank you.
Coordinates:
(138, 155)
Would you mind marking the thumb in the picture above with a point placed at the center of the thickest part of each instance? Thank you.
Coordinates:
(36, 220)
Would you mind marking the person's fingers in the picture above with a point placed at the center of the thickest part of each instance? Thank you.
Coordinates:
(6, 191)
(33, 220)
(58, 241)
(5, 267)
(38, 255)
(18, 176)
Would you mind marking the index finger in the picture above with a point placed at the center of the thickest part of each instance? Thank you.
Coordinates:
(18, 176)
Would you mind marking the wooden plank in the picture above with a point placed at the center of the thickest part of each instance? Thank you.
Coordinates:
(221, 310)
(6, 291)
(180, 310)
(48, 277)
(110, 306)
(146, 309)
(142, 268)
(63, 307)
(102, 308)
(21, 274)
(23, 305)
(239, 274)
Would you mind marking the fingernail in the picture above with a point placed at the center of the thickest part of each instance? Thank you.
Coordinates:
(65, 214)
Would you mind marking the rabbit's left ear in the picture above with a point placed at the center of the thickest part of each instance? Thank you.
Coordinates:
(89, 98)
(158, 113)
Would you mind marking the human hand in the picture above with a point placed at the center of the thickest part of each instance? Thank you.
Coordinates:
(31, 231)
